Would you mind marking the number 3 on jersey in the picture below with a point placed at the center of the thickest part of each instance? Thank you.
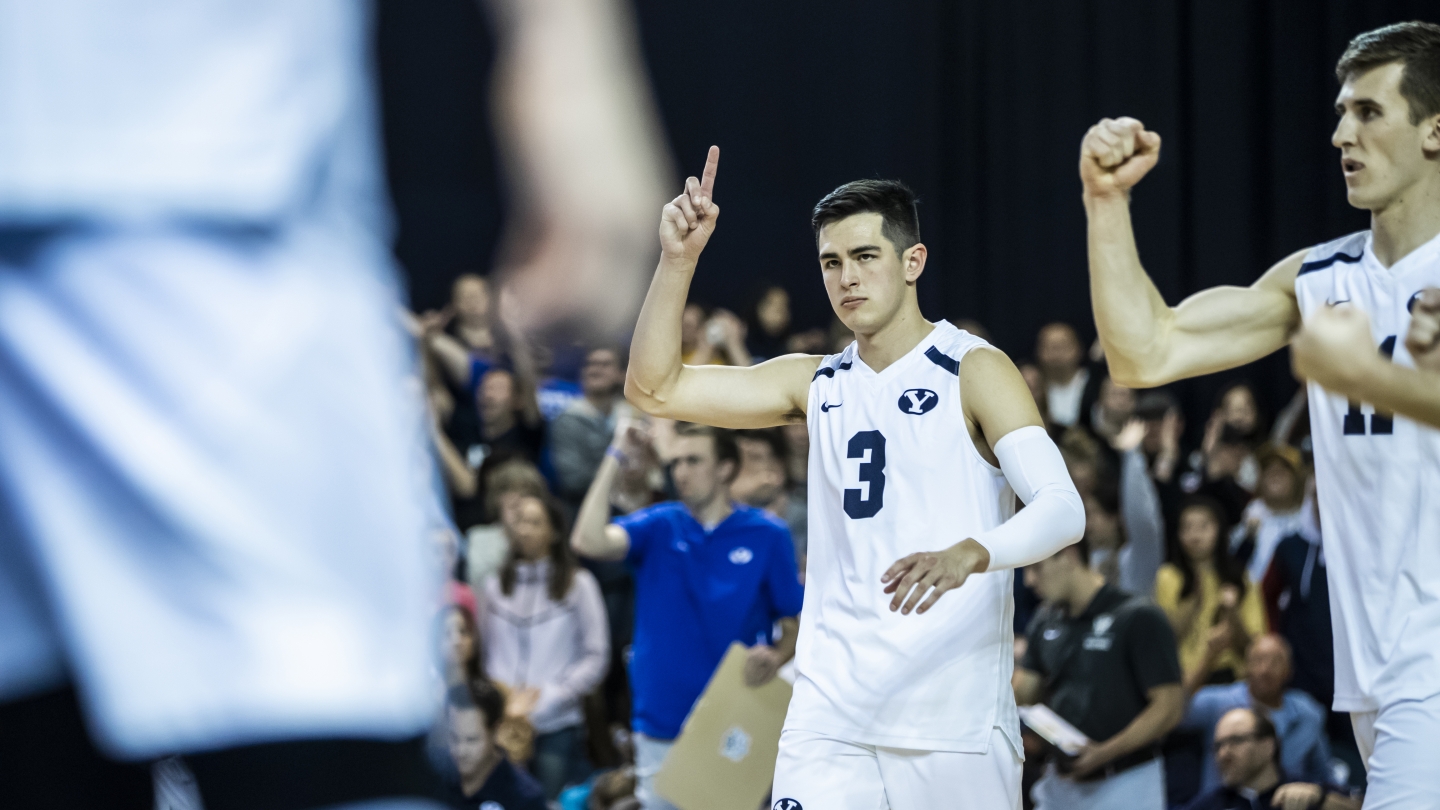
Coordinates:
(1381, 424)
(858, 502)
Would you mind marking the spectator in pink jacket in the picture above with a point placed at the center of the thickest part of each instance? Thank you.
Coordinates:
(545, 638)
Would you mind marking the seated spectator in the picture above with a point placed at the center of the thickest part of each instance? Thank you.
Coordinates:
(1060, 358)
(460, 646)
(1213, 607)
(486, 778)
(1297, 601)
(546, 639)
(1112, 411)
(580, 434)
(470, 302)
(1104, 660)
(487, 545)
(716, 338)
(510, 423)
(708, 572)
(1215, 469)
(1247, 753)
(797, 462)
(768, 333)
(763, 481)
(1142, 512)
(1279, 509)
(1299, 721)
(1239, 410)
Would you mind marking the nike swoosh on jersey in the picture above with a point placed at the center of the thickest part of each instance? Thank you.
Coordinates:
(825, 406)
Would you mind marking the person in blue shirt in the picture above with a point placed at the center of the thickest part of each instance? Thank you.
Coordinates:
(708, 572)
(1299, 721)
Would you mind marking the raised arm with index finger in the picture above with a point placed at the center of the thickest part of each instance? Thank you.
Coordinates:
(769, 394)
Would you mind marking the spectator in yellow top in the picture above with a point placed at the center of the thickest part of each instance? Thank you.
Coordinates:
(1212, 606)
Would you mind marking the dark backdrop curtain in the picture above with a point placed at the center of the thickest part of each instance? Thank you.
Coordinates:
(979, 105)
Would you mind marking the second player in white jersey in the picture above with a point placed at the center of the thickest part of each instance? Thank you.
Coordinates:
(893, 472)
(1377, 476)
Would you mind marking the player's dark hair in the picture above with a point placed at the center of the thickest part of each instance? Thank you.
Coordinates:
(1227, 569)
(722, 439)
(1415, 44)
(479, 694)
(891, 199)
(562, 559)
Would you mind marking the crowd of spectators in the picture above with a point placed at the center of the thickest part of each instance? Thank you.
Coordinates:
(603, 561)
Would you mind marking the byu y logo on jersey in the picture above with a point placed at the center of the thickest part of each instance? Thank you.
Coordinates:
(918, 400)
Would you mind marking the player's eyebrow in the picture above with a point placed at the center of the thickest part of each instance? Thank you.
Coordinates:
(864, 249)
(1358, 102)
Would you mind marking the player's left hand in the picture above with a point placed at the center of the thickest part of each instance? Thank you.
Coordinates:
(915, 574)
(761, 664)
(1334, 345)
(1423, 339)
(1091, 757)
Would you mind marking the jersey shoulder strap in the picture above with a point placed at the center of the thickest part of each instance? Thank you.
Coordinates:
(831, 363)
(1345, 250)
(951, 346)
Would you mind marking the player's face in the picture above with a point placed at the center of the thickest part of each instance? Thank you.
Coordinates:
(469, 741)
(866, 277)
(1382, 154)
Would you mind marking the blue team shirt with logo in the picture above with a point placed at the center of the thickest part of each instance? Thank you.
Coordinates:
(695, 593)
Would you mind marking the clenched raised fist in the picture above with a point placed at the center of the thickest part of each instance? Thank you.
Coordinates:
(1115, 154)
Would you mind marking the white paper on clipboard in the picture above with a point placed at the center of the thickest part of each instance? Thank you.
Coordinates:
(1045, 722)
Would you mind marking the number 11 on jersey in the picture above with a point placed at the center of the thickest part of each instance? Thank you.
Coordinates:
(1381, 424)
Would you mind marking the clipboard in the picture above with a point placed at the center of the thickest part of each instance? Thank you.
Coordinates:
(724, 758)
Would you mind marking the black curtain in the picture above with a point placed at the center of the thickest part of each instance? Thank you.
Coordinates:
(979, 105)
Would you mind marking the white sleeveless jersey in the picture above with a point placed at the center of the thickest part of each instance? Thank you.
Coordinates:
(893, 471)
(1378, 479)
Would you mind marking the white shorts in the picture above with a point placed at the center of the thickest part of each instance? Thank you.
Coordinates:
(1397, 744)
(212, 505)
(821, 773)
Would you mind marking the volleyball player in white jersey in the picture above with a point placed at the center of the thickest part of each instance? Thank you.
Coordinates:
(919, 433)
(1377, 472)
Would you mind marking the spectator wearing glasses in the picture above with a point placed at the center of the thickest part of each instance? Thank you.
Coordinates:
(1247, 752)
(1299, 721)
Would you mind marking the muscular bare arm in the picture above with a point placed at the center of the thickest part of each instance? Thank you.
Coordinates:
(657, 383)
(1148, 343)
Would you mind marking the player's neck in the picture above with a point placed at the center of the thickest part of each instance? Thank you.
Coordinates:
(895, 339)
(1406, 223)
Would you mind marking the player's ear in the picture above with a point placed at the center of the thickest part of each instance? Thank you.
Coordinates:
(914, 260)
(1430, 143)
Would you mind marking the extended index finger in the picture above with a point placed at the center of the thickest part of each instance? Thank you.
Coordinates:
(707, 179)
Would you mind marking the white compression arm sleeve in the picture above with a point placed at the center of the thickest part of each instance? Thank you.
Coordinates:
(1054, 515)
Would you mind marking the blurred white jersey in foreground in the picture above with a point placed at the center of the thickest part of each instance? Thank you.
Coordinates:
(212, 494)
